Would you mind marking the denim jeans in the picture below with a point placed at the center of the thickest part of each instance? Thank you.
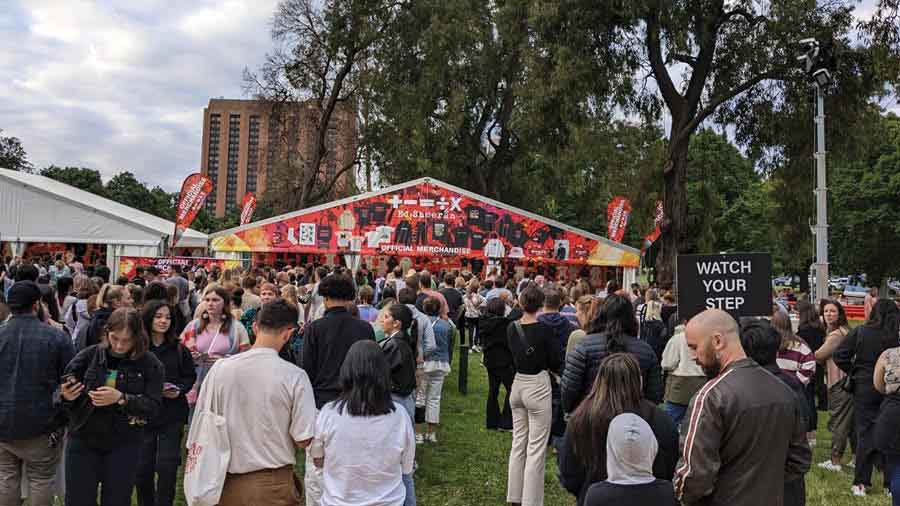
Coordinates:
(409, 404)
(892, 468)
(87, 467)
(676, 412)
(160, 456)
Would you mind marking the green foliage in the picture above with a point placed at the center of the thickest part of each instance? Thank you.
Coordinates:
(13, 155)
(865, 215)
(80, 177)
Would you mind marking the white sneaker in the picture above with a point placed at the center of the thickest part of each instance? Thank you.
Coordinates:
(858, 490)
(431, 437)
(887, 492)
(830, 466)
(420, 439)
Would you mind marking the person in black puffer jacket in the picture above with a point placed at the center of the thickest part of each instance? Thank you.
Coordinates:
(613, 331)
(111, 391)
(110, 298)
(161, 450)
(498, 360)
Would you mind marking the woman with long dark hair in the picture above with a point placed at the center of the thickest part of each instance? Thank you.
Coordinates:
(161, 450)
(614, 330)
(857, 356)
(840, 401)
(368, 439)
(111, 391)
(811, 330)
(616, 390)
(216, 334)
(398, 346)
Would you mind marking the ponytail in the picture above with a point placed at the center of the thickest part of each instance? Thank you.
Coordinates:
(110, 293)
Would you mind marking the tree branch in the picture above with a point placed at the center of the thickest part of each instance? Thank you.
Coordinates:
(743, 13)
(654, 51)
(720, 99)
(683, 58)
(328, 185)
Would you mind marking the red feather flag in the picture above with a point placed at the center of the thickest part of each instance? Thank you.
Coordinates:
(194, 191)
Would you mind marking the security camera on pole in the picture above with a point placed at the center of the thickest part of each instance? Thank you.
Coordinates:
(813, 62)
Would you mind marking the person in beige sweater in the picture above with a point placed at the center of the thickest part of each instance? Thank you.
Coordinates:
(840, 402)
(684, 376)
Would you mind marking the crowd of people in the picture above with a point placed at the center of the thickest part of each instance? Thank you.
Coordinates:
(100, 378)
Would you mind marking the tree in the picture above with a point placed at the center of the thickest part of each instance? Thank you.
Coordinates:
(865, 217)
(712, 60)
(79, 177)
(323, 47)
(13, 155)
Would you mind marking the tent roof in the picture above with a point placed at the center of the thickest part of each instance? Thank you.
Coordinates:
(414, 182)
(11, 180)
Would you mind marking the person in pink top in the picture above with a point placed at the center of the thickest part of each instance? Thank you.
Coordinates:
(216, 334)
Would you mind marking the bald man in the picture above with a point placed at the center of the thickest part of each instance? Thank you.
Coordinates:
(745, 436)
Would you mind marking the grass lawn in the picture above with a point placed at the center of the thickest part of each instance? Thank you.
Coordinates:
(468, 465)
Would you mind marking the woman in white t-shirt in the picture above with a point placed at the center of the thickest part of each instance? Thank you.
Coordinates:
(368, 440)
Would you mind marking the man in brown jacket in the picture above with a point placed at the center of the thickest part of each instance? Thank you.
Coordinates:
(745, 436)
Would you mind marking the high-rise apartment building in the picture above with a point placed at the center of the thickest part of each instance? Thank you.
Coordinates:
(243, 141)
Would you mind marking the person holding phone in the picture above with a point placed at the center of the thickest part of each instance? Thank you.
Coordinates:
(161, 451)
(113, 389)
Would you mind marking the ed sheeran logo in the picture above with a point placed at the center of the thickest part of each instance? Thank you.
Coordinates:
(193, 455)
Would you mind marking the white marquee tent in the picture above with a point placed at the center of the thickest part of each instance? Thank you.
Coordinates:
(34, 208)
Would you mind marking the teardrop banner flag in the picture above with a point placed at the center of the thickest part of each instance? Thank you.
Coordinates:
(247, 208)
(194, 191)
(617, 214)
(657, 230)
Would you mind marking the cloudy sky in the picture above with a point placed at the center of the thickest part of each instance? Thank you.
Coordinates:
(122, 85)
(116, 85)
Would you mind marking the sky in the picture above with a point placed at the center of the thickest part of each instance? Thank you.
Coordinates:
(122, 85)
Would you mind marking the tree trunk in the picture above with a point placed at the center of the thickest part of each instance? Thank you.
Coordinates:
(675, 209)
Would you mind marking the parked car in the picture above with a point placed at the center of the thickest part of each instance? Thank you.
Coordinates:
(855, 294)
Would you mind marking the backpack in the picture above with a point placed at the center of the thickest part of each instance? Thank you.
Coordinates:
(654, 333)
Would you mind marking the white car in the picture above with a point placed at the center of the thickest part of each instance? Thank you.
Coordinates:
(855, 294)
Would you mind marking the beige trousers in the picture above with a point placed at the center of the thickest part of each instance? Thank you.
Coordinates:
(531, 413)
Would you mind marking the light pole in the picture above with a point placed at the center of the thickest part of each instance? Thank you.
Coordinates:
(820, 78)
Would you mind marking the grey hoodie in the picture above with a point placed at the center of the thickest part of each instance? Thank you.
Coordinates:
(630, 450)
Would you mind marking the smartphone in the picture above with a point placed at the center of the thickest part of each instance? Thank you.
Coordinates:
(69, 378)
(170, 387)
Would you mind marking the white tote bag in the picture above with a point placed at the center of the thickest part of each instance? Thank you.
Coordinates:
(209, 452)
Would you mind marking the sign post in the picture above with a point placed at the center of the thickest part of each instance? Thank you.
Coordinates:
(738, 283)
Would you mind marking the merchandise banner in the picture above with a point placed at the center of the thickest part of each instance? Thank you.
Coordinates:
(657, 230)
(739, 283)
(617, 214)
(128, 265)
(194, 191)
(247, 208)
(423, 220)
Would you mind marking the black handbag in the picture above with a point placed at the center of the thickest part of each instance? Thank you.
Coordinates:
(847, 383)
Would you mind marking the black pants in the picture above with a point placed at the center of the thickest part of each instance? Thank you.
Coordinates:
(160, 456)
(866, 403)
(87, 467)
(795, 492)
(495, 418)
(811, 402)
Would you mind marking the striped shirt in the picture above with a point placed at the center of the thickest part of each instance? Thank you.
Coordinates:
(798, 359)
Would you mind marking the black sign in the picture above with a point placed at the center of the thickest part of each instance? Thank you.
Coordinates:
(739, 283)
